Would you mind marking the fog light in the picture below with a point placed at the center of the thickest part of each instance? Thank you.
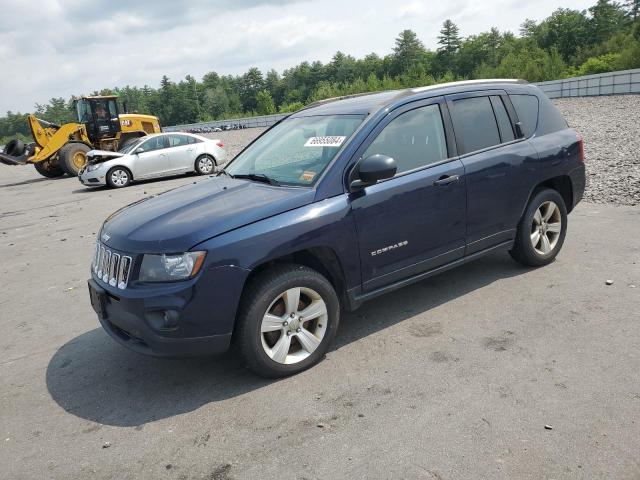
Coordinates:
(163, 319)
(170, 319)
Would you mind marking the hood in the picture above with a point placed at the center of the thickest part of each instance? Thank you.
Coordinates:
(102, 155)
(179, 219)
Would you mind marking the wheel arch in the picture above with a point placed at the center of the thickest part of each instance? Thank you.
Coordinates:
(124, 167)
(322, 259)
(561, 184)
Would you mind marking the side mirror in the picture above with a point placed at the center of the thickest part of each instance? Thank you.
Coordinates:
(519, 130)
(371, 170)
(138, 150)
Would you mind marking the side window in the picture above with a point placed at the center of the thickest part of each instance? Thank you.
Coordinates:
(178, 140)
(475, 124)
(154, 143)
(504, 124)
(194, 140)
(413, 139)
(527, 109)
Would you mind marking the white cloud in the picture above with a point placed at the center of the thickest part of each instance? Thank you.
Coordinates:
(66, 47)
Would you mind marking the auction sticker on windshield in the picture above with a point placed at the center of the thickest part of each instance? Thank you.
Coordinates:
(331, 141)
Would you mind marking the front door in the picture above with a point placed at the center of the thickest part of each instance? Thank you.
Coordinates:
(415, 221)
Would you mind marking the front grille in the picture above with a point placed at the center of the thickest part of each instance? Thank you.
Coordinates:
(111, 267)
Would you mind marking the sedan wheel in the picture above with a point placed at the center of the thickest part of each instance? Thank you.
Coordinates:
(118, 177)
(294, 325)
(205, 165)
(546, 228)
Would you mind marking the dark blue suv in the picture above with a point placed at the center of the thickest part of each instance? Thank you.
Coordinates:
(340, 202)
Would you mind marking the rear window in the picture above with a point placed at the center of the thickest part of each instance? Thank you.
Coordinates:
(527, 109)
(475, 124)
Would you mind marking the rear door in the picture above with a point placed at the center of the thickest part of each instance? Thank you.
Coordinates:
(181, 152)
(496, 165)
(414, 221)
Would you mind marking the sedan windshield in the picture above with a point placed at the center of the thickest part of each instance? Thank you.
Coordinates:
(296, 151)
(131, 146)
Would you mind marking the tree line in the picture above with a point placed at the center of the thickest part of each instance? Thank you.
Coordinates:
(605, 37)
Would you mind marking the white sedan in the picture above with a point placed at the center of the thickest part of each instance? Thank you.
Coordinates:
(153, 156)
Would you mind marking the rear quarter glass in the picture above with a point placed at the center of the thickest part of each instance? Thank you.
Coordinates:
(527, 109)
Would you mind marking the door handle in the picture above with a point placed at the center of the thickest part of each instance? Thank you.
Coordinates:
(446, 180)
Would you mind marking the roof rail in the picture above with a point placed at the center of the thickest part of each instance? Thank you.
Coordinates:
(466, 82)
(344, 97)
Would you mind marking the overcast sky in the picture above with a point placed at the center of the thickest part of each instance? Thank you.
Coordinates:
(59, 48)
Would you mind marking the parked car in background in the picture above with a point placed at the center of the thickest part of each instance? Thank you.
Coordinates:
(153, 156)
(340, 202)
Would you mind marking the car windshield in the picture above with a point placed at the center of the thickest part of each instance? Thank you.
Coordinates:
(296, 151)
(131, 146)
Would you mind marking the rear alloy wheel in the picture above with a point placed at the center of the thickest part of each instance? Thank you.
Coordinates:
(542, 230)
(205, 165)
(546, 228)
(118, 177)
(287, 321)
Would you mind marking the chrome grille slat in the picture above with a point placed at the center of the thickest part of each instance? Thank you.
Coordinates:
(110, 267)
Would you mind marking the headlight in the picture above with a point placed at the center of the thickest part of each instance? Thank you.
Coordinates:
(93, 166)
(166, 268)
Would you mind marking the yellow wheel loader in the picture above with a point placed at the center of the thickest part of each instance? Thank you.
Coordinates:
(60, 149)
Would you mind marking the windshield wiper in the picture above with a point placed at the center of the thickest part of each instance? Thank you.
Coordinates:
(258, 177)
(223, 171)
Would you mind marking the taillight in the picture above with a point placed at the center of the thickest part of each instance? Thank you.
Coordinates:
(220, 144)
(581, 148)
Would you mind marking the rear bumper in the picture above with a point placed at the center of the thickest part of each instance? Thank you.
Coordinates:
(578, 183)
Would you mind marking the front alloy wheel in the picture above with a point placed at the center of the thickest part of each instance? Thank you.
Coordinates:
(287, 319)
(294, 325)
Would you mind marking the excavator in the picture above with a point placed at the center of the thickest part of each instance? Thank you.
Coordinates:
(60, 149)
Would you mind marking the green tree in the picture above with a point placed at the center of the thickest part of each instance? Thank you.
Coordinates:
(407, 52)
(606, 19)
(265, 105)
(449, 42)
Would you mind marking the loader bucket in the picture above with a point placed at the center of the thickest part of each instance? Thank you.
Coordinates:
(11, 160)
(16, 153)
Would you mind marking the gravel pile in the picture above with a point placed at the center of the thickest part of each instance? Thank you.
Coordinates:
(610, 127)
(236, 140)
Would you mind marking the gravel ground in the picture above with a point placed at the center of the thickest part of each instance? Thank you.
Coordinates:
(610, 127)
(235, 140)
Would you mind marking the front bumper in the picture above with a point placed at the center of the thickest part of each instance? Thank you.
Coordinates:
(177, 319)
(95, 178)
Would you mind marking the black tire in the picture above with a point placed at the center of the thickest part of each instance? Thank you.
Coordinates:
(523, 250)
(49, 169)
(125, 175)
(15, 148)
(69, 157)
(200, 170)
(259, 295)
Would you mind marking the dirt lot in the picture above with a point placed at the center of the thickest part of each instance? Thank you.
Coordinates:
(454, 377)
